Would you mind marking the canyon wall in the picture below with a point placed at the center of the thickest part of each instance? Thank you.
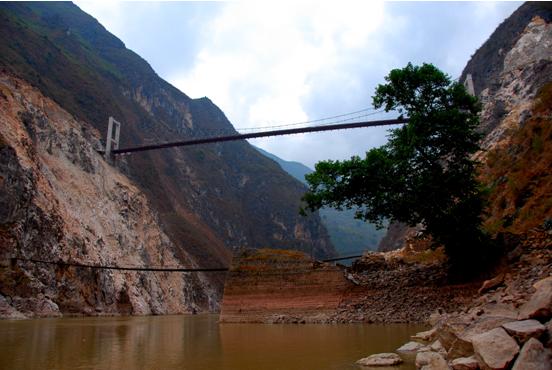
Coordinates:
(60, 202)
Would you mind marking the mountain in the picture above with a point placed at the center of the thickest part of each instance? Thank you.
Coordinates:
(347, 234)
(207, 201)
(60, 204)
(512, 77)
(512, 74)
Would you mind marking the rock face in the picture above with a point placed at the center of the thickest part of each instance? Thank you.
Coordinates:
(512, 73)
(495, 349)
(209, 199)
(61, 202)
(278, 286)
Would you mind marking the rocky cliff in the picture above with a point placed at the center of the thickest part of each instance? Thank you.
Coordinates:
(220, 196)
(511, 73)
(60, 202)
(208, 200)
(514, 70)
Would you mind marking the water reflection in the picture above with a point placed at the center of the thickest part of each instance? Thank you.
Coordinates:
(189, 342)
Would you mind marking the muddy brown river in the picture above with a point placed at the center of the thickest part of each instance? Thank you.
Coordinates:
(190, 342)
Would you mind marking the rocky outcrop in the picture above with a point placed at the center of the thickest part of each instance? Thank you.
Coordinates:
(61, 203)
(279, 286)
(395, 237)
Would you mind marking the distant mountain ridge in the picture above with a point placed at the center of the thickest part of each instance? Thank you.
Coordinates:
(347, 234)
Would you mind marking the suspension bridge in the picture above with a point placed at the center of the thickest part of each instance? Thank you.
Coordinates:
(114, 127)
(112, 148)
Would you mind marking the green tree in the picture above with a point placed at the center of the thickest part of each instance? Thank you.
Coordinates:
(425, 174)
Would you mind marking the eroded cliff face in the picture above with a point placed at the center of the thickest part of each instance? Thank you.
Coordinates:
(279, 286)
(210, 199)
(510, 73)
(61, 202)
(508, 96)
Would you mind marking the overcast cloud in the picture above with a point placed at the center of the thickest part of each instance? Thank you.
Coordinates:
(267, 63)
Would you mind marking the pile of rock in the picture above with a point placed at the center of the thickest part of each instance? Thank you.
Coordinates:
(493, 336)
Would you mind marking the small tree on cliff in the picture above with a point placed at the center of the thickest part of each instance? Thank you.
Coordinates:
(424, 174)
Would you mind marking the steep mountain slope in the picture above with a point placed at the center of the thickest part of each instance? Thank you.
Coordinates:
(347, 234)
(512, 73)
(60, 202)
(210, 199)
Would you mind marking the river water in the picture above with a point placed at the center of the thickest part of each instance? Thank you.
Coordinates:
(190, 342)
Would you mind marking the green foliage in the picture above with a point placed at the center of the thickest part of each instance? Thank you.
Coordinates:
(424, 174)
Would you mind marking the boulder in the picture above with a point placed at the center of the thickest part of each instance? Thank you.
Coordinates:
(533, 356)
(523, 330)
(431, 361)
(465, 363)
(548, 335)
(461, 347)
(381, 359)
(426, 336)
(410, 347)
(492, 283)
(494, 349)
(451, 338)
(539, 305)
(438, 347)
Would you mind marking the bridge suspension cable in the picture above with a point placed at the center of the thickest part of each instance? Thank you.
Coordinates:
(14, 260)
(217, 139)
(317, 120)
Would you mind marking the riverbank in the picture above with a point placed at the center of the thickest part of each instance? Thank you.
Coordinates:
(507, 323)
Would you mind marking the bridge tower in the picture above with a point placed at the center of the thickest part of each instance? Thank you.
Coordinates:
(468, 83)
(112, 142)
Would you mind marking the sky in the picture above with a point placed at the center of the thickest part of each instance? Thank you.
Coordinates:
(276, 63)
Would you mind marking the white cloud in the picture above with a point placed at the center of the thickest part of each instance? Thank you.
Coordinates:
(259, 60)
(266, 63)
(262, 62)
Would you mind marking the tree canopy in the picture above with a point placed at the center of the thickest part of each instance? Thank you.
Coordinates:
(425, 174)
